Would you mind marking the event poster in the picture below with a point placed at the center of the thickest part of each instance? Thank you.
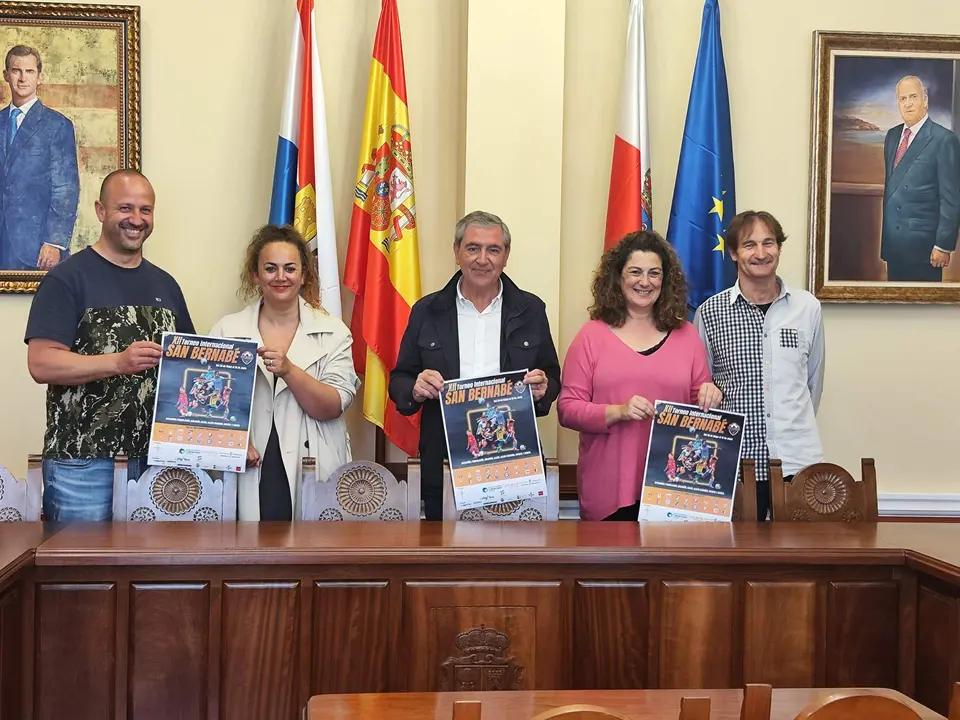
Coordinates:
(692, 464)
(201, 417)
(492, 440)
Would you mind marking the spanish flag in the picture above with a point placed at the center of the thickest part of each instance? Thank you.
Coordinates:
(383, 260)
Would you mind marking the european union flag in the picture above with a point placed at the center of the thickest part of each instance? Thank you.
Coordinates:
(704, 201)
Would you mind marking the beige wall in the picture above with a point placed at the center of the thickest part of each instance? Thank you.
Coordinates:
(889, 387)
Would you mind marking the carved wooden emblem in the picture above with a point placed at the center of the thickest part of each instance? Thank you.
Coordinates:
(483, 663)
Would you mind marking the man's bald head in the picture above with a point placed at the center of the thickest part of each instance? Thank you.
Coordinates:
(117, 175)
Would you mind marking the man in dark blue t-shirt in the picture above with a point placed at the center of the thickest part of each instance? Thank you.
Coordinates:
(93, 338)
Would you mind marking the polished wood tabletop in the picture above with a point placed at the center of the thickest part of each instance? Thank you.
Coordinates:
(936, 545)
(634, 704)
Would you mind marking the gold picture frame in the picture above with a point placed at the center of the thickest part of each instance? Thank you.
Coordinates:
(870, 230)
(90, 75)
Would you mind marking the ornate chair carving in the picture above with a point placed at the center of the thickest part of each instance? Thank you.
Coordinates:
(361, 491)
(533, 510)
(745, 497)
(20, 500)
(587, 712)
(173, 494)
(824, 492)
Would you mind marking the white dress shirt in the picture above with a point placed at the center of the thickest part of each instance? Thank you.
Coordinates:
(770, 368)
(914, 129)
(479, 335)
(24, 109)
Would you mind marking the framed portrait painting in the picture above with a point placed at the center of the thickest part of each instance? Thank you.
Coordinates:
(69, 115)
(885, 184)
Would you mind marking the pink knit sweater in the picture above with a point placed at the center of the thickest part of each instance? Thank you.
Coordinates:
(601, 370)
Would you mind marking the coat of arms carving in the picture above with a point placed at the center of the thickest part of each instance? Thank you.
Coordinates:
(483, 663)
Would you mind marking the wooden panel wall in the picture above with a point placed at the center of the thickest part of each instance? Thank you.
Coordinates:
(611, 634)
(169, 648)
(696, 631)
(352, 639)
(258, 647)
(938, 645)
(11, 653)
(254, 642)
(76, 670)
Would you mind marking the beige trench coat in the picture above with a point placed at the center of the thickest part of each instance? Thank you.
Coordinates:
(321, 347)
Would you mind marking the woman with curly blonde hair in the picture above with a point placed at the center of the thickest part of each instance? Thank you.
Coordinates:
(305, 377)
(637, 348)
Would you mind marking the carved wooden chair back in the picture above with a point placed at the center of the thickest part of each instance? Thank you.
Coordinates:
(21, 500)
(580, 712)
(757, 700)
(745, 497)
(361, 491)
(466, 710)
(857, 705)
(695, 708)
(173, 494)
(824, 492)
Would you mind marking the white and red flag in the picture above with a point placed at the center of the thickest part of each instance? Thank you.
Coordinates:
(629, 205)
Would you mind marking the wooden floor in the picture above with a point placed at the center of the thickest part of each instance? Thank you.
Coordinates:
(250, 620)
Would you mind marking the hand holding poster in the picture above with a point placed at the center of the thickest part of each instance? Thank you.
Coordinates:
(492, 440)
(201, 418)
(692, 464)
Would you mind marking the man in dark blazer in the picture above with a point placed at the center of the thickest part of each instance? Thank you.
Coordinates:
(39, 177)
(480, 323)
(921, 191)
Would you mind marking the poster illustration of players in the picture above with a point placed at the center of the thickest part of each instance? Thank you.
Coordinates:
(492, 440)
(692, 464)
(201, 418)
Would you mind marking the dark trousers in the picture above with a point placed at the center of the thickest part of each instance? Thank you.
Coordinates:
(628, 514)
(763, 498)
(432, 502)
(913, 272)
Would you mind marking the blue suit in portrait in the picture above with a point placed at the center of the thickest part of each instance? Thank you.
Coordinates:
(39, 186)
(921, 202)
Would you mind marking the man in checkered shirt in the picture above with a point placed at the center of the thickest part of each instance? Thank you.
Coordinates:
(765, 347)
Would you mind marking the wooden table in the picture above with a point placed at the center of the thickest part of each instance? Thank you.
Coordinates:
(250, 620)
(645, 704)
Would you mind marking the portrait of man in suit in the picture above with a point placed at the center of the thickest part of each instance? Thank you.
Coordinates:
(69, 116)
(39, 176)
(886, 160)
(921, 191)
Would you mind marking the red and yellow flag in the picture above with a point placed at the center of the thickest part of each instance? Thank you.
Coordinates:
(383, 260)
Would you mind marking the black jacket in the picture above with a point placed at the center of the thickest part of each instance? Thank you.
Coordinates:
(431, 341)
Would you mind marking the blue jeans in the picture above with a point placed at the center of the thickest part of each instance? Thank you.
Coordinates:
(82, 490)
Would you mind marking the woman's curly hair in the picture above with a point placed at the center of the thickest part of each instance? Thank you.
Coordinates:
(609, 304)
(310, 291)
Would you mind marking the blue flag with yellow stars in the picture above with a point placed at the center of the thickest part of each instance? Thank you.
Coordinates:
(704, 201)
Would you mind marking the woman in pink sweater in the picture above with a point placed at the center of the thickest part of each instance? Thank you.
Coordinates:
(637, 348)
